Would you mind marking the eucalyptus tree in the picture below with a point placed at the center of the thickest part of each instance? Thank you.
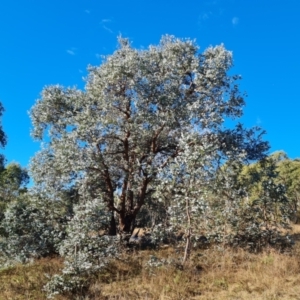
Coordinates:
(289, 175)
(3, 141)
(113, 139)
(27, 232)
(279, 168)
(202, 185)
(86, 250)
(13, 181)
(3, 138)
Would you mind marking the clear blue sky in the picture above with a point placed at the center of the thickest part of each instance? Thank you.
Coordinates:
(52, 42)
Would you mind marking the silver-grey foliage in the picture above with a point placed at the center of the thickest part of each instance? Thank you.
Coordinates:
(114, 138)
(31, 228)
(86, 248)
(147, 131)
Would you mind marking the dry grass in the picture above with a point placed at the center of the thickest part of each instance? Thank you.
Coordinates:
(27, 281)
(210, 274)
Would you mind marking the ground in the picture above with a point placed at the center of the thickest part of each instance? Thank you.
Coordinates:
(211, 274)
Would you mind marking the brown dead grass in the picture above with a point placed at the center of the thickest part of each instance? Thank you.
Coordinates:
(210, 274)
(27, 281)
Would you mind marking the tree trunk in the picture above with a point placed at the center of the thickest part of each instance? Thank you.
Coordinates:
(112, 226)
(188, 234)
(187, 249)
(127, 223)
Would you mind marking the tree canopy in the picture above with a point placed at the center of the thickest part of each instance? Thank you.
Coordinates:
(13, 181)
(279, 168)
(114, 139)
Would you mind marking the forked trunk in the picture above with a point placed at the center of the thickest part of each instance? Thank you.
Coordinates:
(127, 223)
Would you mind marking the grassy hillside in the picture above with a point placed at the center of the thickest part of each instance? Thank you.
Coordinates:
(210, 274)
